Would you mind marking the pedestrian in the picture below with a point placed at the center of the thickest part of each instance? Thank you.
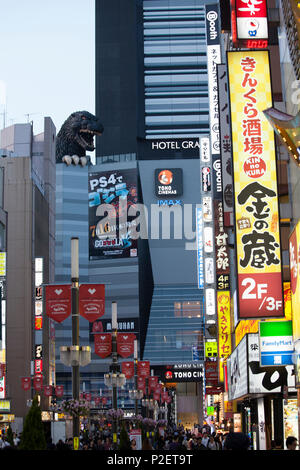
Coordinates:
(236, 441)
(133, 444)
(211, 445)
(201, 446)
(146, 444)
(291, 443)
(205, 439)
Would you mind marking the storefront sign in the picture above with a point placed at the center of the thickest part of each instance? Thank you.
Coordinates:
(249, 23)
(276, 345)
(294, 251)
(224, 329)
(255, 185)
(200, 270)
(204, 150)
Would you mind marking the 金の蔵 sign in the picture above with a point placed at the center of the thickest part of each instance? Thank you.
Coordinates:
(255, 187)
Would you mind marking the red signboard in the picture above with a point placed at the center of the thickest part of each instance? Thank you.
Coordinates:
(249, 23)
(38, 383)
(58, 302)
(103, 344)
(164, 396)
(88, 396)
(59, 390)
(125, 344)
(2, 370)
(128, 369)
(47, 390)
(211, 373)
(26, 383)
(143, 368)
(104, 400)
(92, 301)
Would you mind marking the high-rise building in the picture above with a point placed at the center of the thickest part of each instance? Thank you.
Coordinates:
(27, 167)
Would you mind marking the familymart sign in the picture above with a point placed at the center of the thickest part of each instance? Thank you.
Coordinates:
(276, 343)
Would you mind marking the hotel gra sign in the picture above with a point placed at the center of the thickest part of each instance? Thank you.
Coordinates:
(255, 186)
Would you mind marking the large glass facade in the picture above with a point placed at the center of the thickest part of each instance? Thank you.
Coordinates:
(175, 329)
(175, 69)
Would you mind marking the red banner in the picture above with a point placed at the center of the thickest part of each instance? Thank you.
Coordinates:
(92, 301)
(125, 344)
(153, 382)
(88, 396)
(47, 390)
(103, 344)
(141, 384)
(97, 401)
(104, 400)
(2, 370)
(164, 396)
(26, 383)
(143, 368)
(128, 369)
(58, 302)
(211, 373)
(38, 383)
(59, 390)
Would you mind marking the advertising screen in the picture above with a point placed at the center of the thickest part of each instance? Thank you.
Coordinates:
(111, 195)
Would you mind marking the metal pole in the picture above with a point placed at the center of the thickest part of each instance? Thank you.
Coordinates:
(135, 377)
(75, 333)
(114, 367)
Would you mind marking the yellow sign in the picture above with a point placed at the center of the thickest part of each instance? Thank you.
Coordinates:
(2, 264)
(76, 443)
(211, 348)
(4, 405)
(294, 249)
(224, 330)
(230, 406)
(244, 327)
(255, 185)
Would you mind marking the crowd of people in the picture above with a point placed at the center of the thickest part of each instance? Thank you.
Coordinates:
(174, 440)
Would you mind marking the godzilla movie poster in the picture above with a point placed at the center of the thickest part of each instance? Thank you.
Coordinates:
(111, 196)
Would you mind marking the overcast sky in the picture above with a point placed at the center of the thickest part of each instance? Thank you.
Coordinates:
(47, 64)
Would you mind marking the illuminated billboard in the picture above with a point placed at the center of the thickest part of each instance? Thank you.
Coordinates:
(249, 23)
(224, 329)
(294, 250)
(255, 187)
(111, 194)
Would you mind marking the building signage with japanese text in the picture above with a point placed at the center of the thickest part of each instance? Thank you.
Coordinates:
(255, 186)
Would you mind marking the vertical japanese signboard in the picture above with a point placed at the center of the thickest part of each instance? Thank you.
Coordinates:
(255, 187)
(294, 251)
(224, 329)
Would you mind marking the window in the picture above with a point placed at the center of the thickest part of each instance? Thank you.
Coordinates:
(187, 309)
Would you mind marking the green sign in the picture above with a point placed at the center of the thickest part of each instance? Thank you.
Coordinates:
(276, 344)
(210, 411)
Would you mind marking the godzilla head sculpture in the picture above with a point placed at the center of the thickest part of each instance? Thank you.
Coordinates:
(76, 136)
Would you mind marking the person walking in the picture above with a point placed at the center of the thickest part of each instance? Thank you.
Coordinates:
(211, 445)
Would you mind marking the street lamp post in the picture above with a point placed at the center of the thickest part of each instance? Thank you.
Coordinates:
(75, 330)
(135, 377)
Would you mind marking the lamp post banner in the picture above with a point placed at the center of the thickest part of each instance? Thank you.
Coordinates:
(125, 344)
(153, 382)
(26, 383)
(128, 369)
(103, 344)
(47, 390)
(38, 383)
(59, 390)
(143, 369)
(141, 384)
(92, 301)
(58, 302)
